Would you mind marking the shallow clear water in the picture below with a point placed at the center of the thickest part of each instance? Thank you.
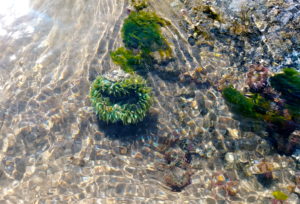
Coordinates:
(54, 150)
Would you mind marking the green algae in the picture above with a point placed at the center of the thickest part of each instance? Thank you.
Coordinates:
(142, 30)
(254, 106)
(278, 195)
(142, 37)
(288, 84)
(139, 4)
(239, 102)
(212, 13)
(130, 61)
(277, 105)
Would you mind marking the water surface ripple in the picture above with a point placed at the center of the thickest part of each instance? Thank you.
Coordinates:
(54, 150)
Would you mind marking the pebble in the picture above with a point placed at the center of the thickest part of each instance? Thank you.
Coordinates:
(296, 155)
(234, 133)
(123, 150)
(174, 4)
(263, 167)
(77, 161)
(229, 157)
(285, 18)
(194, 104)
(138, 155)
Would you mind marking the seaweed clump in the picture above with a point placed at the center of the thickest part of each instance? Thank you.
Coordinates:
(275, 103)
(125, 100)
(142, 36)
(279, 197)
(127, 59)
(240, 103)
(141, 30)
(139, 4)
(131, 61)
(288, 84)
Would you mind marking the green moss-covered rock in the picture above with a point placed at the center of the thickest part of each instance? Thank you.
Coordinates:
(126, 100)
(142, 37)
(288, 84)
(142, 30)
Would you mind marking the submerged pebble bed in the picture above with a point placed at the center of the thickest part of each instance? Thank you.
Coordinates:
(190, 148)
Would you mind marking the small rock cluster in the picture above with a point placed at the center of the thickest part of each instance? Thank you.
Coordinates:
(250, 31)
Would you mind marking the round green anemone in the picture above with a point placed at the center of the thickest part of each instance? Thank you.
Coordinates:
(126, 100)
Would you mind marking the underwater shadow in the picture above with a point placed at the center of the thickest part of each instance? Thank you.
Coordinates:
(161, 69)
(277, 139)
(265, 180)
(165, 75)
(238, 54)
(167, 70)
(129, 133)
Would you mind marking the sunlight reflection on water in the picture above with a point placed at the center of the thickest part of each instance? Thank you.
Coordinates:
(13, 9)
(10, 11)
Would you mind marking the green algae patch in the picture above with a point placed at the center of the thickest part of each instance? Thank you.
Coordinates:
(239, 102)
(143, 39)
(288, 84)
(142, 30)
(275, 103)
(131, 61)
(126, 100)
(128, 61)
(139, 4)
(254, 106)
(212, 13)
(278, 195)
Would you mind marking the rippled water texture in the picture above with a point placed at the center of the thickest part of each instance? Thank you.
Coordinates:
(54, 150)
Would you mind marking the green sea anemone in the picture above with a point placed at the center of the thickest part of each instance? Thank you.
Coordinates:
(125, 100)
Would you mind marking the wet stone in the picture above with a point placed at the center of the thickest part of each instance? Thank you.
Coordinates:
(230, 157)
(191, 40)
(177, 179)
(120, 188)
(252, 199)
(77, 161)
(210, 201)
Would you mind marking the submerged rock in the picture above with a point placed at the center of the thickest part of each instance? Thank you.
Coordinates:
(257, 78)
(177, 178)
(230, 157)
(262, 167)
